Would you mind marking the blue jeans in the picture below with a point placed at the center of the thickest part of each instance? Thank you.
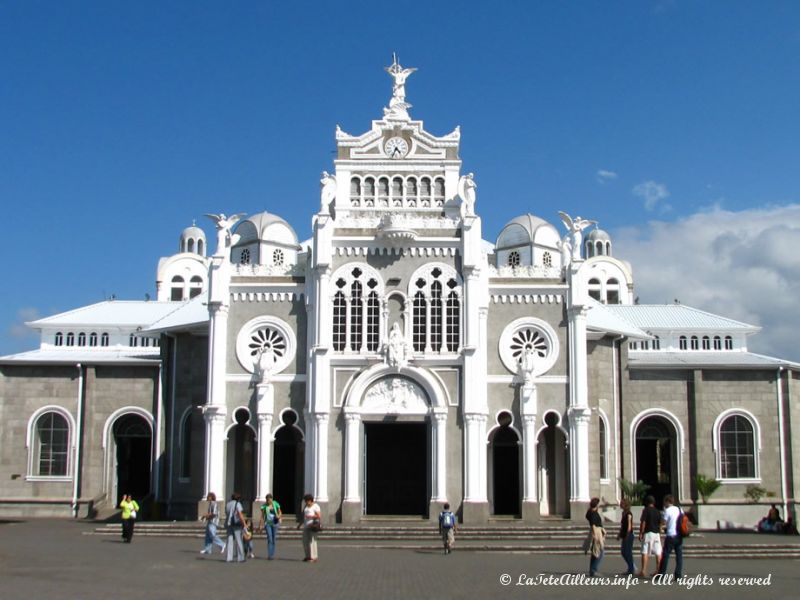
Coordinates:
(212, 538)
(626, 549)
(272, 532)
(594, 562)
(672, 542)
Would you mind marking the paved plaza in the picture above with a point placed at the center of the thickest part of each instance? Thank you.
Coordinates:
(58, 559)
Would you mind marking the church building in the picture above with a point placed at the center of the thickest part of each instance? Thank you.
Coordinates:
(394, 361)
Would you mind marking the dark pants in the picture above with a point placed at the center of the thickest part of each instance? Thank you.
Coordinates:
(127, 529)
(626, 549)
(672, 542)
(594, 563)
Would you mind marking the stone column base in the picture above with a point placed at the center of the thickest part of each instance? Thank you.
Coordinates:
(351, 513)
(577, 511)
(530, 512)
(474, 513)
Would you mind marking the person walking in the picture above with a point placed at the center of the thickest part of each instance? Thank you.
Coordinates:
(312, 525)
(626, 536)
(598, 537)
(212, 522)
(673, 539)
(447, 528)
(130, 510)
(271, 515)
(650, 534)
(235, 524)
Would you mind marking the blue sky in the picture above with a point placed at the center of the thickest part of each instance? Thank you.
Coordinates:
(122, 122)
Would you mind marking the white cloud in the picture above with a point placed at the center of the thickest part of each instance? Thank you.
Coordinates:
(743, 265)
(18, 329)
(652, 193)
(604, 176)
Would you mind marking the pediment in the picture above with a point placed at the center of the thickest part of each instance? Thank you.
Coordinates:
(421, 144)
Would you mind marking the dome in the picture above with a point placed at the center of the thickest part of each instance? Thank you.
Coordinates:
(597, 243)
(527, 229)
(265, 226)
(598, 235)
(193, 239)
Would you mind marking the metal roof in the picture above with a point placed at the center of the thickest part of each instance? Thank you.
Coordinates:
(676, 317)
(98, 356)
(189, 315)
(110, 313)
(656, 359)
(599, 318)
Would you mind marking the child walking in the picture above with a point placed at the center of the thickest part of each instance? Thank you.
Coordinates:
(447, 528)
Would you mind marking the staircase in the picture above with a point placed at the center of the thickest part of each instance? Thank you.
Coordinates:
(563, 539)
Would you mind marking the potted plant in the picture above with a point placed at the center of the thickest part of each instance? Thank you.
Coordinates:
(706, 486)
(633, 492)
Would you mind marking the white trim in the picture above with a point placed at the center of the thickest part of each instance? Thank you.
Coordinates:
(422, 377)
(559, 425)
(121, 412)
(30, 439)
(660, 412)
(715, 445)
(560, 379)
(498, 426)
(541, 365)
(181, 441)
(602, 414)
(277, 378)
(293, 426)
(243, 338)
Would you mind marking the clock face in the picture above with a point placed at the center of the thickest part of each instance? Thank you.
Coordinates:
(396, 147)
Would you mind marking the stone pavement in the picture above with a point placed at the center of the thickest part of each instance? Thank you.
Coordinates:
(54, 559)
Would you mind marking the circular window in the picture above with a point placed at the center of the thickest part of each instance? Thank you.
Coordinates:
(525, 335)
(514, 259)
(265, 334)
(277, 257)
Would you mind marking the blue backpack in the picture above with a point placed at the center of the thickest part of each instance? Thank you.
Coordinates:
(447, 519)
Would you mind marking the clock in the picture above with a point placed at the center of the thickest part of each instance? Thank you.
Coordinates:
(396, 147)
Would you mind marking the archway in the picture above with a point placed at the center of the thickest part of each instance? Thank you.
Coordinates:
(242, 452)
(133, 447)
(505, 465)
(553, 468)
(656, 456)
(287, 464)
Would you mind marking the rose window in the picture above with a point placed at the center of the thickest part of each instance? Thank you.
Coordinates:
(267, 339)
(525, 340)
(265, 334)
(529, 334)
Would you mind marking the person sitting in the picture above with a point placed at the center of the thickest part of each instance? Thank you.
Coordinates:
(772, 523)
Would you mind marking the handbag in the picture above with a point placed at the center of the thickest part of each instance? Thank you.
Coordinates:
(315, 525)
(133, 514)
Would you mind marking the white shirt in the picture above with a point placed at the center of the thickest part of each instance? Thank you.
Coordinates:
(670, 517)
(310, 513)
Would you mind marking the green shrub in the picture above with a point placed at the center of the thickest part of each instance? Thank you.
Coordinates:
(633, 492)
(754, 493)
(706, 486)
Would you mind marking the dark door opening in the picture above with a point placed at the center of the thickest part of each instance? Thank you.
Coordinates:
(133, 441)
(397, 468)
(505, 470)
(287, 469)
(655, 457)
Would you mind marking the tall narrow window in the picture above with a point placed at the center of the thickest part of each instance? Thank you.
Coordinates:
(425, 192)
(70, 339)
(104, 339)
(244, 257)
(717, 343)
(356, 313)
(411, 192)
(195, 286)
(656, 343)
(602, 454)
(383, 192)
(355, 191)
(81, 339)
(186, 447)
(728, 342)
(453, 322)
(52, 444)
(682, 343)
(176, 290)
(695, 343)
(369, 192)
(438, 192)
(59, 339)
(339, 321)
(373, 322)
(277, 257)
(706, 343)
(436, 316)
(419, 321)
(737, 448)
(397, 191)
(93, 339)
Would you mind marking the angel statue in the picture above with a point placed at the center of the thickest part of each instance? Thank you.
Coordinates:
(575, 229)
(466, 191)
(398, 105)
(327, 193)
(396, 351)
(224, 225)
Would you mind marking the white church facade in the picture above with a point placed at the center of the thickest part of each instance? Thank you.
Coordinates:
(394, 361)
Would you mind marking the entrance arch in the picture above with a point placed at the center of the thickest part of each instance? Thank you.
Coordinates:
(241, 458)
(132, 448)
(656, 456)
(553, 467)
(504, 461)
(287, 464)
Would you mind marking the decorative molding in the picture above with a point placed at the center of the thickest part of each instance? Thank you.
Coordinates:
(392, 250)
(529, 333)
(372, 220)
(239, 270)
(266, 296)
(279, 378)
(515, 379)
(270, 333)
(395, 396)
(527, 298)
(524, 271)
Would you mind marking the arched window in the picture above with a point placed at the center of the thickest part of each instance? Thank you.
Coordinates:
(369, 192)
(438, 192)
(594, 289)
(81, 339)
(419, 319)
(59, 339)
(200, 247)
(682, 343)
(133, 341)
(656, 343)
(190, 245)
(373, 322)
(452, 333)
(104, 339)
(706, 343)
(513, 258)
(177, 288)
(695, 343)
(397, 191)
(244, 257)
(425, 192)
(728, 342)
(339, 321)
(411, 192)
(356, 308)
(717, 343)
(70, 339)
(547, 259)
(612, 291)
(93, 339)
(186, 446)
(51, 446)
(277, 257)
(195, 286)
(383, 191)
(436, 315)
(645, 345)
(355, 191)
(603, 447)
(737, 448)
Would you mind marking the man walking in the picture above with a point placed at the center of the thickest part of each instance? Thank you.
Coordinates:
(673, 539)
(650, 534)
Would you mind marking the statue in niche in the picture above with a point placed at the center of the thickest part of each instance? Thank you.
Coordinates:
(327, 194)
(224, 225)
(466, 190)
(265, 364)
(396, 349)
(575, 229)
(566, 251)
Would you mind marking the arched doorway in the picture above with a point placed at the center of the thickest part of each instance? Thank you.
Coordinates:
(656, 456)
(133, 447)
(505, 464)
(287, 464)
(553, 468)
(241, 461)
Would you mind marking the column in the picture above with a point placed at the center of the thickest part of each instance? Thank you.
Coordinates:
(214, 416)
(529, 448)
(579, 453)
(321, 456)
(352, 473)
(475, 458)
(439, 484)
(579, 412)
